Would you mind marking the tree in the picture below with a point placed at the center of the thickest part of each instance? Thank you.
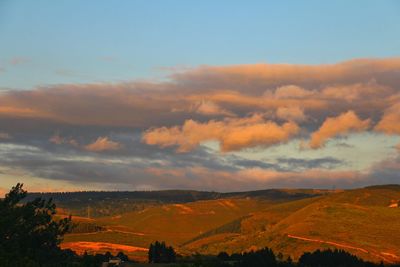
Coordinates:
(29, 235)
(263, 257)
(223, 256)
(122, 256)
(160, 253)
(330, 258)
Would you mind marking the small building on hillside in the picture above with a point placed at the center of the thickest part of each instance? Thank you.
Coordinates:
(114, 261)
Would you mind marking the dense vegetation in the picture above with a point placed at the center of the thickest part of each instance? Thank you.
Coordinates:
(267, 258)
(28, 234)
(161, 253)
(30, 237)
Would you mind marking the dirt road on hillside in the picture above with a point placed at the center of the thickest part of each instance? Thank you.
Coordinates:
(393, 258)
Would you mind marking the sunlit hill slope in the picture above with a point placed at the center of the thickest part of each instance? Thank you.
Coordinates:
(365, 222)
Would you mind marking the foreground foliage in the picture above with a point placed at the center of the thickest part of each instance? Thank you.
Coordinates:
(28, 235)
(267, 258)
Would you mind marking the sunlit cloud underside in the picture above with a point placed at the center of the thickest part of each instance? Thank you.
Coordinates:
(224, 128)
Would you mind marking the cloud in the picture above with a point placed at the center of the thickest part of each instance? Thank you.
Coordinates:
(316, 177)
(58, 140)
(241, 107)
(232, 134)
(210, 108)
(103, 144)
(357, 91)
(398, 147)
(4, 135)
(19, 60)
(292, 91)
(341, 125)
(248, 163)
(291, 114)
(201, 169)
(390, 122)
(318, 163)
(364, 86)
(257, 77)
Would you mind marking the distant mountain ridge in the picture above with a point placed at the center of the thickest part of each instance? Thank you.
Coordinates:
(107, 203)
(176, 195)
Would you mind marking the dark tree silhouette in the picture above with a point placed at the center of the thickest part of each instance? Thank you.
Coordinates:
(160, 253)
(28, 234)
(330, 258)
(263, 257)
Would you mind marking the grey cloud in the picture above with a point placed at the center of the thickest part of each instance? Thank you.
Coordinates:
(301, 163)
(246, 163)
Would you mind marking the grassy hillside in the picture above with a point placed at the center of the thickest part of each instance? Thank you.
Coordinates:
(179, 222)
(173, 223)
(359, 221)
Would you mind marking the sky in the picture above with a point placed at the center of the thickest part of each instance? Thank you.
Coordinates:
(207, 95)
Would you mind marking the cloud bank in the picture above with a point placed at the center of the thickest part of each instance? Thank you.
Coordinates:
(160, 131)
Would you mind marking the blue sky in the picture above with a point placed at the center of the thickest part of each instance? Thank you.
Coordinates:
(209, 95)
(96, 41)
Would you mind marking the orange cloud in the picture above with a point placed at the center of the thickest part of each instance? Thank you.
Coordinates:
(315, 175)
(257, 77)
(390, 122)
(210, 108)
(22, 112)
(103, 144)
(4, 135)
(292, 91)
(257, 177)
(358, 91)
(340, 125)
(301, 94)
(58, 140)
(362, 85)
(291, 114)
(232, 134)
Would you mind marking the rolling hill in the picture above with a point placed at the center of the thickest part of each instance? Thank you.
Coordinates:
(365, 222)
(360, 221)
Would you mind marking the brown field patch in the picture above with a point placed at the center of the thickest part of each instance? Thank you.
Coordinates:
(184, 209)
(82, 247)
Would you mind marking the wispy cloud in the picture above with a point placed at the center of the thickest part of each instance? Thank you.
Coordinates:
(103, 144)
(19, 60)
(5, 136)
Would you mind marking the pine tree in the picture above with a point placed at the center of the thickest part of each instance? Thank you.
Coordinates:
(29, 236)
